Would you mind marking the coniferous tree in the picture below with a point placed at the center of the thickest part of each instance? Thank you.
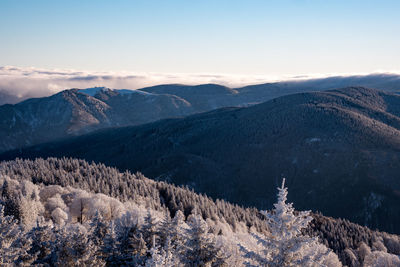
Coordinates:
(201, 248)
(150, 230)
(165, 255)
(130, 242)
(13, 243)
(75, 248)
(11, 201)
(43, 243)
(287, 246)
(99, 229)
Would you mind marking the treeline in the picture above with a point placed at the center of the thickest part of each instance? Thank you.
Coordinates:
(98, 178)
(343, 237)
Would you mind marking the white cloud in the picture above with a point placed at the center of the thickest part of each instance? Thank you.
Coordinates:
(35, 82)
(40, 82)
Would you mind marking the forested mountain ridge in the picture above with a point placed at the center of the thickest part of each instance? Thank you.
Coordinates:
(337, 148)
(73, 112)
(353, 243)
(77, 111)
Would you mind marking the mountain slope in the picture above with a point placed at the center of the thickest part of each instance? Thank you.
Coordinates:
(203, 97)
(337, 149)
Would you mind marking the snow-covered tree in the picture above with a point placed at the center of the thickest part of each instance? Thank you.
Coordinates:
(287, 246)
(150, 230)
(98, 231)
(13, 244)
(165, 255)
(130, 243)
(165, 229)
(381, 259)
(75, 248)
(109, 250)
(201, 247)
(43, 242)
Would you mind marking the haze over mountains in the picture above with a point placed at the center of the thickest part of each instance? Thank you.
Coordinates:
(8, 98)
(339, 150)
(77, 111)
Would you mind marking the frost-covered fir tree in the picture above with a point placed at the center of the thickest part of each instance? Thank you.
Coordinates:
(13, 244)
(171, 248)
(165, 255)
(43, 244)
(150, 230)
(171, 229)
(98, 232)
(165, 228)
(201, 247)
(130, 244)
(75, 248)
(287, 245)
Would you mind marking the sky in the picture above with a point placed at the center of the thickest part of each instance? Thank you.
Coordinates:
(276, 38)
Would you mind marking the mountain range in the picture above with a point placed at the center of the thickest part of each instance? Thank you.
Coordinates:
(339, 150)
(77, 111)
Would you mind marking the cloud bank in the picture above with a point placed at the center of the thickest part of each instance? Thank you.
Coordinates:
(35, 82)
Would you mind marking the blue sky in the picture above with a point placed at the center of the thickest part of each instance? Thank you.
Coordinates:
(238, 37)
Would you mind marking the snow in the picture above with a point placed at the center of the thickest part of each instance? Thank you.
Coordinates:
(93, 91)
